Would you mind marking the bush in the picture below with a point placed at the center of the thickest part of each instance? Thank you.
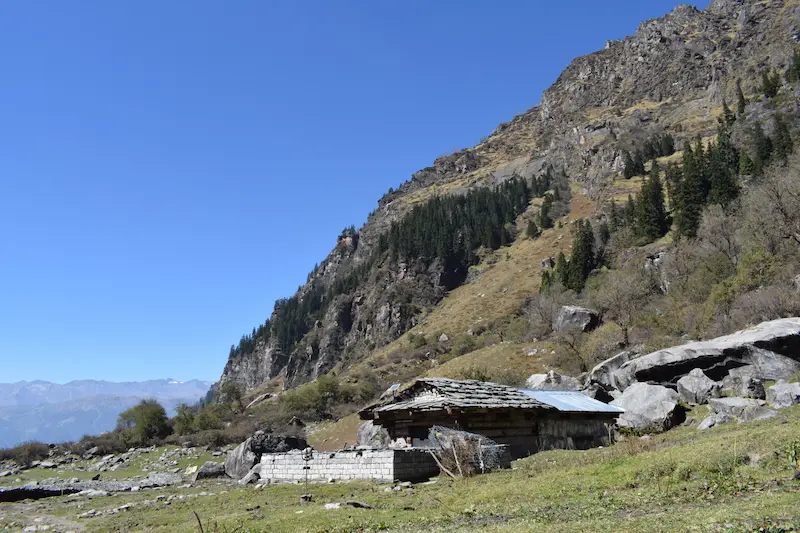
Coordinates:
(143, 423)
(26, 453)
(417, 341)
(106, 443)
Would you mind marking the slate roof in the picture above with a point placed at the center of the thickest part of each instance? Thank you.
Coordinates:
(437, 394)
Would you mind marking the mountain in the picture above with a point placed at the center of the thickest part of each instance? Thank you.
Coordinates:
(51, 412)
(428, 263)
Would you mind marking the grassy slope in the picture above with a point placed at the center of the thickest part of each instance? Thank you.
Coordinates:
(725, 479)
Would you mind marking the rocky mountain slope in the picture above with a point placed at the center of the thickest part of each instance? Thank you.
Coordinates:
(669, 77)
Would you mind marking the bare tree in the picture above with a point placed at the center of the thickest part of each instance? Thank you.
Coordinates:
(773, 208)
(719, 233)
(622, 294)
(542, 309)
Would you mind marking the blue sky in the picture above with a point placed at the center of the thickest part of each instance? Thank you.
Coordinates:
(169, 169)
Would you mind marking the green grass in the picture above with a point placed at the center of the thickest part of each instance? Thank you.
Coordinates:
(732, 478)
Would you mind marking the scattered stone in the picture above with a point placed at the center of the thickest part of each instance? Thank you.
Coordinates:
(571, 317)
(604, 374)
(259, 399)
(783, 394)
(306, 498)
(330, 506)
(358, 505)
(93, 493)
(443, 337)
(696, 388)
(649, 408)
(46, 464)
(713, 420)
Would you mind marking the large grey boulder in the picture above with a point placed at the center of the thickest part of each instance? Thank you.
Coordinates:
(552, 381)
(696, 388)
(783, 394)
(372, 436)
(580, 318)
(743, 382)
(772, 348)
(743, 409)
(605, 373)
(210, 469)
(649, 408)
(733, 407)
(240, 460)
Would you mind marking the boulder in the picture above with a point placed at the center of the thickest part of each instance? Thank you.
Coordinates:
(771, 348)
(252, 476)
(696, 388)
(598, 393)
(743, 382)
(372, 436)
(604, 374)
(552, 381)
(649, 408)
(571, 317)
(209, 469)
(713, 420)
(783, 394)
(733, 407)
(240, 460)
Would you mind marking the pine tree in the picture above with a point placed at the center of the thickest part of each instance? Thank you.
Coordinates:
(762, 149)
(723, 163)
(582, 259)
(630, 212)
(741, 101)
(604, 232)
(629, 169)
(638, 163)
(561, 270)
(545, 219)
(793, 72)
(532, 231)
(547, 282)
(783, 139)
(614, 218)
(746, 166)
(651, 215)
(727, 115)
(770, 83)
(690, 193)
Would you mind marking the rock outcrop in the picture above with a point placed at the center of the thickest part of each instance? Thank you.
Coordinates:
(578, 318)
(649, 408)
(673, 67)
(771, 348)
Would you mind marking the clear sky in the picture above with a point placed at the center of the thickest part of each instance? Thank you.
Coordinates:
(169, 169)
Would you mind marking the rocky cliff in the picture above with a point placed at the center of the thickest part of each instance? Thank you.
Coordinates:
(670, 76)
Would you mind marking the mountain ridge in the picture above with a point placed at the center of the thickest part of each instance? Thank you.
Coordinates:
(671, 75)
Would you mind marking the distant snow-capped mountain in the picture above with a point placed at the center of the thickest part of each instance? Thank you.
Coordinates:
(52, 412)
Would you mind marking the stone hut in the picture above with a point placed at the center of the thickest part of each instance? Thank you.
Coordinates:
(527, 421)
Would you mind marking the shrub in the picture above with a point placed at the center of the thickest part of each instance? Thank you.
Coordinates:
(144, 422)
(26, 453)
(417, 341)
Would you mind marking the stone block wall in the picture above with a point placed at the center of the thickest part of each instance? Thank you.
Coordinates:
(375, 465)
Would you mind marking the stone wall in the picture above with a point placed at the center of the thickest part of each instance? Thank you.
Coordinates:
(375, 465)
